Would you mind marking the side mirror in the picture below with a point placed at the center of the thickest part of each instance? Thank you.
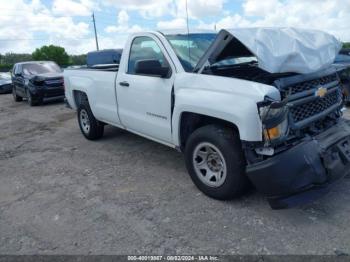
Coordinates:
(18, 74)
(151, 67)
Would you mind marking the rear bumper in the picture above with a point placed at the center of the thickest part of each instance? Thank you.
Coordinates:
(304, 172)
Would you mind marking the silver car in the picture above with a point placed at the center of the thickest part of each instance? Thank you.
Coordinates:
(5, 83)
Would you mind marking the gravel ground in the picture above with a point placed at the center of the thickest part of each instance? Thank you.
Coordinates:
(62, 194)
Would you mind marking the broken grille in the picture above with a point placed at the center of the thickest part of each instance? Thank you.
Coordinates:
(54, 82)
(309, 85)
(310, 109)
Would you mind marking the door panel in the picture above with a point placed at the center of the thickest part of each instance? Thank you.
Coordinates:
(144, 102)
(19, 81)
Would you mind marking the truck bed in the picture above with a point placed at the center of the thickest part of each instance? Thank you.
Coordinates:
(100, 85)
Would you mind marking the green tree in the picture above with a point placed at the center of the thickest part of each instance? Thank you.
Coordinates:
(52, 53)
(346, 45)
(78, 59)
(12, 58)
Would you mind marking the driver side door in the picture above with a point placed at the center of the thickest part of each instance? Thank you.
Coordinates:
(144, 101)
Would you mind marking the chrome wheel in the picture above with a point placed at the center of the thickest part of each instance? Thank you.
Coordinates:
(209, 164)
(84, 121)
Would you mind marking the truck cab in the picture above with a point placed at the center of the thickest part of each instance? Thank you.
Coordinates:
(242, 110)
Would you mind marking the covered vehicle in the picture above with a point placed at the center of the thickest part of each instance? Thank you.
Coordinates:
(5, 83)
(104, 58)
(37, 81)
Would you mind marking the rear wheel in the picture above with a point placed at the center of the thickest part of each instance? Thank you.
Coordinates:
(215, 162)
(91, 128)
(16, 97)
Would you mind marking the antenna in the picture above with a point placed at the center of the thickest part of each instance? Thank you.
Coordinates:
(188, 33)
(96, 39)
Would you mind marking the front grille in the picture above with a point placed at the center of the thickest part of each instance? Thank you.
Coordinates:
(310, 109)
(53, 93)
(54, 82)
(309, 85)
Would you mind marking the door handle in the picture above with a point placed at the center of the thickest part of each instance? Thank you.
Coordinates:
(124, 84)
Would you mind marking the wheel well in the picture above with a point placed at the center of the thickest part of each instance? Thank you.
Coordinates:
(192, 121)
(79, 97)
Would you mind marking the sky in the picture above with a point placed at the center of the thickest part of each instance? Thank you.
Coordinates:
(29, 24)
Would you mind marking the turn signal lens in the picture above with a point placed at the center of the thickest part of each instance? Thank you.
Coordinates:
(272, 133)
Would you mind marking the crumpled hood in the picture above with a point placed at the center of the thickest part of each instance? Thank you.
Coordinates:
(278, 50)
(49, 75)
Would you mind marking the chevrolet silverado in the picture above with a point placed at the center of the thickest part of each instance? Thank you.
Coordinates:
(259, 106)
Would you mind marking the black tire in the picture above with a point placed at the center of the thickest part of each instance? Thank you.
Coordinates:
(16, 97)
(96, 128)
(228, 143)
(30, 99)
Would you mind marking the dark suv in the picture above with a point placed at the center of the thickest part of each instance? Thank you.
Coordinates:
(38, 82)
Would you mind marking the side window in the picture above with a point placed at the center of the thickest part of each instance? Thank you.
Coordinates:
(143, 48)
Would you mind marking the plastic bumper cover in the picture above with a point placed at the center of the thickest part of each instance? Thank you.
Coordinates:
(7, 88)
(46, 93)
(304, 172)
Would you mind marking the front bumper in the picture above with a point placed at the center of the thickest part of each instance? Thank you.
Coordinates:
(46, 93)
(304, 172)
(6, 88)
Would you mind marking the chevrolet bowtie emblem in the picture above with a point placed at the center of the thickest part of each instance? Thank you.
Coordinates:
(321, 92)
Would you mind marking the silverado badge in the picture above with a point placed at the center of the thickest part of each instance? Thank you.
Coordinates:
(321, 92)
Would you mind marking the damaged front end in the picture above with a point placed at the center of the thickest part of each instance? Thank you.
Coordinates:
(306, 141)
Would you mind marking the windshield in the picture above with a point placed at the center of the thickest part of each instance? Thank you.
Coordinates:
(190, 48)
(342, 58)
(41, 68)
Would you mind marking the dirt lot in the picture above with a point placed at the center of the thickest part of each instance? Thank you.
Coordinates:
(62, 194)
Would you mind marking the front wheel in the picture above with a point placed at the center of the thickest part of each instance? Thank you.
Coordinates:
(91, 128)
(215, 162)
(30, 99)
(16, 97)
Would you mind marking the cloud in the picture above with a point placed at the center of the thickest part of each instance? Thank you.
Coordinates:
(178, 23)
(36, 24)
(147, 8)
(198, 9)
(228, 22)
(332, 16)
(68, 22)
(74, 8)
(123, 25)
(323, 15)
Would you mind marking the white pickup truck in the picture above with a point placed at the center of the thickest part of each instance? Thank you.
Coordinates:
(259, 106)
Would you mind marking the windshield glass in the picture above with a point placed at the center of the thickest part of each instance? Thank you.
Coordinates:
(190, 48)
(342, 58)
(41, 68)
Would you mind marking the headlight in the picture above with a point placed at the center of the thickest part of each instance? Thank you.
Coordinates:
(274, 117)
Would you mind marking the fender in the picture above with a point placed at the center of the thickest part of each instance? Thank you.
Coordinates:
(224, 98)
(82, 84)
